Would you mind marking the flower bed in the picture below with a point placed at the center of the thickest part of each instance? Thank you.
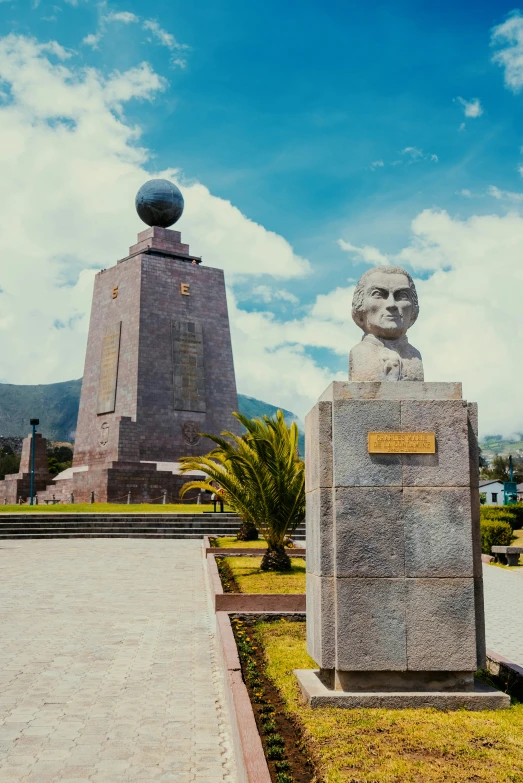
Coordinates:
(282, 740)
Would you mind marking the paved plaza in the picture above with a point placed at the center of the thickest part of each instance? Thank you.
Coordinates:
(108, 668)
(504, 611)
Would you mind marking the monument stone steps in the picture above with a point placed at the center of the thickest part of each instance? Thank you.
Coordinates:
(22, 526)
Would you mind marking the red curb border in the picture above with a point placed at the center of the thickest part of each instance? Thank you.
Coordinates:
(250, 552)
(251, 764)
(250, 602)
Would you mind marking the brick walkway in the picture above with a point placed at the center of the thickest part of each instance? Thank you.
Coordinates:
(107, 664)
(504, 611)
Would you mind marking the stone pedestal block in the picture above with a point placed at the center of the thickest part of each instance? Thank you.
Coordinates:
(394, 592)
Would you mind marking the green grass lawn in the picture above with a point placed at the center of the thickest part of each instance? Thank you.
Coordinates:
(228, 542)
(249, 578)
(393, 746)
(109, 508)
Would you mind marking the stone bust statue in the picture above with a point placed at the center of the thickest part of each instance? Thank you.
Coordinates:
(385, 305)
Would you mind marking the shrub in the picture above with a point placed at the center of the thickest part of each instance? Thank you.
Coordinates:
(495, 532)
(503, 514)
(517, 510)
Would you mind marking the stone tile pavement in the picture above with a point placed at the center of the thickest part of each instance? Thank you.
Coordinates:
(504, 611)
(108, 668)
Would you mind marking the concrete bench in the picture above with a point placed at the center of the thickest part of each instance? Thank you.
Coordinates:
(508, 555)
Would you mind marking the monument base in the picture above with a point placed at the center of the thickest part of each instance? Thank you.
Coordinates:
(113, 484)
(317, 694)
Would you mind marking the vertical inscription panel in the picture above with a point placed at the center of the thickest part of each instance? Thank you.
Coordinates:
(189, 377)
(109, 368)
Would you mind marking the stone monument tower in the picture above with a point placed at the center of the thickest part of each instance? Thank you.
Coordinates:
(394, 581)
(159, 366)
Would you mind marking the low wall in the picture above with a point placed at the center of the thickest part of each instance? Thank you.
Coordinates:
(250, 758)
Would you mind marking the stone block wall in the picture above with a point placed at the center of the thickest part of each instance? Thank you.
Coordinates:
(393, 558)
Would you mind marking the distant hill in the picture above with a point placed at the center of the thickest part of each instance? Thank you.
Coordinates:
(496, 444)
(56, 405)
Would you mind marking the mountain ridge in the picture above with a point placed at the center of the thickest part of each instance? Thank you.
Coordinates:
(56, 405)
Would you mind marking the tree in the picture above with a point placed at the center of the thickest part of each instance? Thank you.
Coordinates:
(263, 479)
(9, 461)
(59, 458)
(500, 470)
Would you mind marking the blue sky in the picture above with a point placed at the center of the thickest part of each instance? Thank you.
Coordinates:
(320, 122)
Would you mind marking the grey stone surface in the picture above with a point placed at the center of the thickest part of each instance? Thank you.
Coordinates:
(441, 625)
(404, 533)
(438, 534)
(353, 466)
(320, 532)
(382, 390)
(108, 670)
(317, 695)
(378, 681)
(369, 532)
(384, 306)
(371, 629)
(320, 625)
(449, 466)
(318, 447)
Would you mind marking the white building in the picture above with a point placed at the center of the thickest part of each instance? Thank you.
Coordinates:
(494, 490)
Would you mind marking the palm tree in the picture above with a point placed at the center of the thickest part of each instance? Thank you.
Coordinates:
(262, 477)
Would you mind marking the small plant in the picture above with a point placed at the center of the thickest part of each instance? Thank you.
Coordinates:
(275, 753)
(269, 726)
(281, 766)
(275, 740)
(282, 777)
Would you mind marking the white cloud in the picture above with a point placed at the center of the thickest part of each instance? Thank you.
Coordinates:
(160, 35)
(508, 36)
(413, 152)
(471, 108)
(465, 192)
(414, 155)
(377, 164)
(504, 195)
(368, 254)
(268, 294)
(71, 164)
(462, 126)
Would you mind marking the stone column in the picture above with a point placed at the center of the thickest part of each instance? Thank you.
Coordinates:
(394, 593)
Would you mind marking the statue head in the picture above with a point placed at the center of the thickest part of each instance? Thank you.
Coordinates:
(385, 302)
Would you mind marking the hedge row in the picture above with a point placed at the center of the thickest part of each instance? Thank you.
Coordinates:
(513, 514)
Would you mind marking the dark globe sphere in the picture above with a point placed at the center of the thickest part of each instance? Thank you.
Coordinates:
(159, 203)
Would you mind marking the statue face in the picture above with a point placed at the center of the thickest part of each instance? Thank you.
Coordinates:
(387, 306)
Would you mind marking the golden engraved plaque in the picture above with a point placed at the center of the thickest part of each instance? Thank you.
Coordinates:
(402, 443)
